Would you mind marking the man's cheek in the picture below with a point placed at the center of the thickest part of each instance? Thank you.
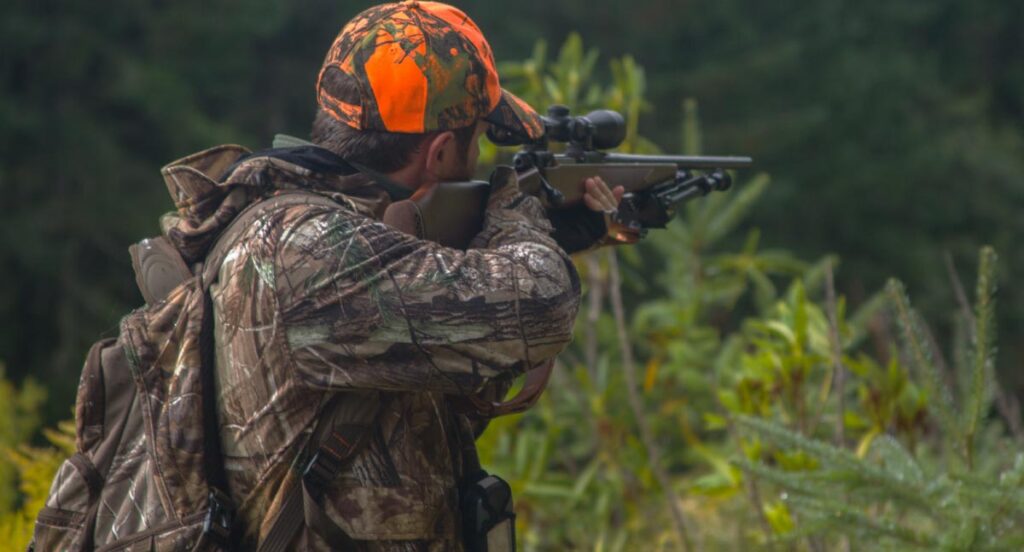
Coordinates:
(474, 157)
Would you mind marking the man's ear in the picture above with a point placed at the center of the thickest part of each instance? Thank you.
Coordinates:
(440, 153)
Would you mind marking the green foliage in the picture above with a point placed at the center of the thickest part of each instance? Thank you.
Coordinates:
(746, 354)
(585, 475)
(19, 420)
(25, 471)
(954, 489)
(36, 467)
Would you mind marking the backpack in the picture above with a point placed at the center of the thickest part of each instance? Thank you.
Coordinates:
(148, 473)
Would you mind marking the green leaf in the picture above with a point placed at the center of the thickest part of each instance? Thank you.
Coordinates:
(713, 422)
(548, 490)
(779, 518)
(852, 420)
(743, 200)
(729, 400)
(714, 485)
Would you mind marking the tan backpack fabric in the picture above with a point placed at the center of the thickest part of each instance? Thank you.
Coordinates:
(148, 473)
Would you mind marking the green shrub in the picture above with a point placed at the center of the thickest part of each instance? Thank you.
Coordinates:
(955, 483)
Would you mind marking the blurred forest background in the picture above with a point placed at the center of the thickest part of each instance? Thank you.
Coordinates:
(722, 393)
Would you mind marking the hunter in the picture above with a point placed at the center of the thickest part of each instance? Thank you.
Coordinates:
(323, 304)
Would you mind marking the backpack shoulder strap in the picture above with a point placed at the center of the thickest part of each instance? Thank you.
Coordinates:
(343, 425)
(220, 519)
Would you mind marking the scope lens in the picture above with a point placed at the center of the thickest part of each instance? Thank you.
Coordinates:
(607, 127)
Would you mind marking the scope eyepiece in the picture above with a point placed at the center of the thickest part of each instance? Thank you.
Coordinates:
(504, 137)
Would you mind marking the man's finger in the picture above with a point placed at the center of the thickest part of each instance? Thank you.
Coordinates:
(588, 187)
(598, 197)
(593, 203)
(600, 189)
(597, 202)
(611, 199)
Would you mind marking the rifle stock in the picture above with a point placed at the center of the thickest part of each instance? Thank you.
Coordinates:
(450, 215)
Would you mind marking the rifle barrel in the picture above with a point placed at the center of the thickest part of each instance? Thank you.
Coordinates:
(682, 161)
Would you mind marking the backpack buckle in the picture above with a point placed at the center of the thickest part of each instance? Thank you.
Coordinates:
(220, 517)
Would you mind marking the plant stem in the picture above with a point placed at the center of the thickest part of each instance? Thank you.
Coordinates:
(839, 370)
(629, 370)
(839, 383)
(594, 295)
(753, 491)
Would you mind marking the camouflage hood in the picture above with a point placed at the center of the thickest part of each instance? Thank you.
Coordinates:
(211, 187)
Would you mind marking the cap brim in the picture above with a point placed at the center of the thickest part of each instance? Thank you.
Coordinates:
(516, 116)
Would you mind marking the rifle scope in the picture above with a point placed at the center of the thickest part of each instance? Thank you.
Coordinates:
(597, 130)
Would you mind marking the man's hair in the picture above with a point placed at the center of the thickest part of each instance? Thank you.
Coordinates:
(381, 151)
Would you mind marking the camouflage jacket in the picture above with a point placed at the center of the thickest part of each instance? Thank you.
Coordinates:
(312, 301)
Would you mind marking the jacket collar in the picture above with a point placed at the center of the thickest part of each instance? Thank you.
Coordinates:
(211, 187)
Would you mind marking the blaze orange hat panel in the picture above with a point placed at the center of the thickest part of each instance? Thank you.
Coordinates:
(390, 69)
(417, 67)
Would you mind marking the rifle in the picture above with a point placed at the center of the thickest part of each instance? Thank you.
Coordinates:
(655, 185)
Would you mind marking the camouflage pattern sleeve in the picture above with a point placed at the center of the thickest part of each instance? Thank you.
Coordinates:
(367, 306)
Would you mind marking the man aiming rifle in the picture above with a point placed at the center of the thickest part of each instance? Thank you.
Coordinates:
(353, 315)
(305, 376)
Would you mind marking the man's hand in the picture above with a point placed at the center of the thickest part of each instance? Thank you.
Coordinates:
(599, 198)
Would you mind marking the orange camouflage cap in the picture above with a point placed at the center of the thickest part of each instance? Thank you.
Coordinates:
(417, 67)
